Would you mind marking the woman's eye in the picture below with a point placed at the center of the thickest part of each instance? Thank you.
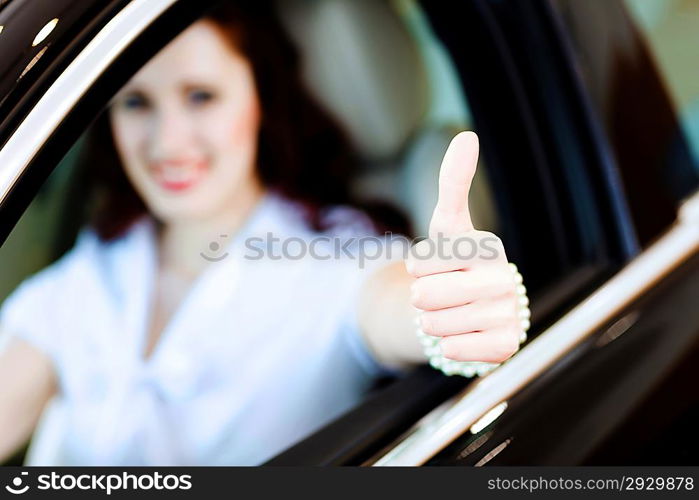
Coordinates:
(200, 96)
(134, 102)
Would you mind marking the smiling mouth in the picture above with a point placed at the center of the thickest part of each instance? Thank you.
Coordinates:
(178, 176)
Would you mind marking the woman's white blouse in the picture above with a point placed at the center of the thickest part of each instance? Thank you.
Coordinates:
(259, 354)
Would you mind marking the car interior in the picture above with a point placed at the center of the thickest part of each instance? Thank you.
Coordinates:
(364, 60)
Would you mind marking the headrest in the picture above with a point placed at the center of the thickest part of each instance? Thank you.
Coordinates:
(363, 65)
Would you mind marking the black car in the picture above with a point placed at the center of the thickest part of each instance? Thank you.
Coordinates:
(589, 176)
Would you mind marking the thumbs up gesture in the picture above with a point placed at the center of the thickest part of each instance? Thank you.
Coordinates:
(463, 287)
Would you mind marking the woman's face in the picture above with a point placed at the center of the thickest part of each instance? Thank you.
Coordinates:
(185, 127)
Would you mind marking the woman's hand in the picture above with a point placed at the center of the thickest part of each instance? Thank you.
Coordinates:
(458, 279)
(463, 287)
(28, 383)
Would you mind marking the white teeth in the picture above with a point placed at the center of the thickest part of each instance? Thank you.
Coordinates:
(177, 175)
(180, 174)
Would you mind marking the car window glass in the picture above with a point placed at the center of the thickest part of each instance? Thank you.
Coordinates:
(669, 28)
(642, 90)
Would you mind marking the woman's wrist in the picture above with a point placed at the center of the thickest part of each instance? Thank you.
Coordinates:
(436, 359)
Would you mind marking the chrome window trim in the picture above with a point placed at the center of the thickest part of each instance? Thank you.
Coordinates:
(71, 85)
(454, 417)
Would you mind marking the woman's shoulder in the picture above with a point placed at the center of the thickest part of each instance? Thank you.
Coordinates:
(334, 220)
(34, 308)
(88, 257)
(83, 251)
(62, 291)
(347, 249)
(345, 220)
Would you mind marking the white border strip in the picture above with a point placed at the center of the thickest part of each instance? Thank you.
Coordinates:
(71, 85)
(431, 434)
(450, 420)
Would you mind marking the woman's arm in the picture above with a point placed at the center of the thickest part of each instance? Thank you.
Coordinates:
(27, 382)
(387, 317)
(457, 284)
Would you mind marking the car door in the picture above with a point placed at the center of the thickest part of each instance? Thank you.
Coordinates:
(610, 343)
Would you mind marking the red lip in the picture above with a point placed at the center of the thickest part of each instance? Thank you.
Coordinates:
(176, 186)
(169, 184)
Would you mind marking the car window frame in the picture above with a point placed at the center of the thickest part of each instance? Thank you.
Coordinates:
(69, 94)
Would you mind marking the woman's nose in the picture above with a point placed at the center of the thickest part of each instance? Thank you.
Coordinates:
(170, 135)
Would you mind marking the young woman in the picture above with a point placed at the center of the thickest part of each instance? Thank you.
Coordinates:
(156, 340)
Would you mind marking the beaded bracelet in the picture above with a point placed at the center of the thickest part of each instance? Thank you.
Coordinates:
(471, 368)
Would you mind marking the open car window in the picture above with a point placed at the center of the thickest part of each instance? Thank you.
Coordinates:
(399, 80)
(396, 150)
